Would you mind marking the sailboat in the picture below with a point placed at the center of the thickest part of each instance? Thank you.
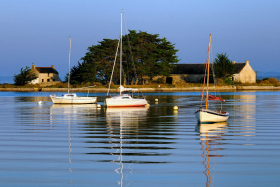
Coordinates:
(204, 115)
(124, 99)
(72, 98)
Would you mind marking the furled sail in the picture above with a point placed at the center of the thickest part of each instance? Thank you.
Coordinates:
(214, 98)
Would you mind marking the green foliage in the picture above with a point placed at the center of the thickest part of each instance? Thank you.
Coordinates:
(228, 81)
(224, 68)
(24, 76)
(143, 55)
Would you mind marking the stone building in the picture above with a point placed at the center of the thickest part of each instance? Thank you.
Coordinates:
(194, 73)
(244, 73)
(46, 75)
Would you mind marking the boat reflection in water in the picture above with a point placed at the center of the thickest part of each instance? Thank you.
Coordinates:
(74, 110)
(210, 136)
(127, 120)
(69, 113)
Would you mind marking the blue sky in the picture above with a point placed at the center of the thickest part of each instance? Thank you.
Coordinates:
(37, 31)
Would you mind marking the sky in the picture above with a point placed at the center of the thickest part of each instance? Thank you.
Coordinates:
(38, 32)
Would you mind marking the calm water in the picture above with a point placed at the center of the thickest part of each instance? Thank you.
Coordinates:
(81, 145)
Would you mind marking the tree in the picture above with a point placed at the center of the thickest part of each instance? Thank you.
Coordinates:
(224, 68)
(150, 55)
(24, 77)
(143, 54)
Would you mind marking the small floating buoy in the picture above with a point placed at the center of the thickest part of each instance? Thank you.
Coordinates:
(98, 106)
(175, 108)
(147, 105)
(156, 100)
(40, 102)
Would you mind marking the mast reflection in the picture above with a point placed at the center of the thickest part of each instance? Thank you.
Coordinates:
(128, 120)
(210, 135)
(69, 113)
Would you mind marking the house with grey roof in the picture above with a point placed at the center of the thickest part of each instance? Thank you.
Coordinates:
(244, 73)
(194, 73)
(46, 75)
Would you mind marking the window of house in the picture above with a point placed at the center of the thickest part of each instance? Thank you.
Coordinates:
(48, 80)
(53, 80)
(42, 80)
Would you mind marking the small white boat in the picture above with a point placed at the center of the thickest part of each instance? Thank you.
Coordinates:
(203, 115)
(206, 115)
(124, 99)
(71, 98)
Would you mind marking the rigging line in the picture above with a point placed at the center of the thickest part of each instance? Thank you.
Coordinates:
(213, 71)
(113, 66)
(214, 78)
(131, 56)
(204, 81)
(69, 64)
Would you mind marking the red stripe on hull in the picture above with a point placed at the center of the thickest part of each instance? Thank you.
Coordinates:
(127, 106)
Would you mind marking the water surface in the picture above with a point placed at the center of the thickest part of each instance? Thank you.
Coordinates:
(82, 145)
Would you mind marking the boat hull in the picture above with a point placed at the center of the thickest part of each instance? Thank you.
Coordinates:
(209, 116)
(119, 102)
(75, 100)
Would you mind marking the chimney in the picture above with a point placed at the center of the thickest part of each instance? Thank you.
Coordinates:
(33, 66)
(233, 62)
(246, 62)
(52, 66)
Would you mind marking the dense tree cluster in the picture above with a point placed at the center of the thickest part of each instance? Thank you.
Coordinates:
(143, 55)
(224, 68)
(24, 77)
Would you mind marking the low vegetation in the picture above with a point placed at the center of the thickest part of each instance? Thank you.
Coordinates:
(24, 77)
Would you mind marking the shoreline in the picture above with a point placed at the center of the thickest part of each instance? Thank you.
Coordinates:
(186, 89)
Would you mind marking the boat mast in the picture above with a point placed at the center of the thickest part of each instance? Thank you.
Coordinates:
(121, 56)
(208, 65)
(69, 65)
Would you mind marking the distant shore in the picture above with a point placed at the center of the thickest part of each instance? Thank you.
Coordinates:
(186, 89)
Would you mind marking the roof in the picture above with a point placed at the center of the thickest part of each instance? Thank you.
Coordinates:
(239, 67)
(188, 69)
(46, 70)
(198, 68)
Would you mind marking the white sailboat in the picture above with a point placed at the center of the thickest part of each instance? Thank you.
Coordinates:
(124, 99)
(72, 98)
(205, 115)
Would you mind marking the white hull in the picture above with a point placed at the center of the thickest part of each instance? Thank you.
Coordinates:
(120, 101)
(209, 116)
(74, 100)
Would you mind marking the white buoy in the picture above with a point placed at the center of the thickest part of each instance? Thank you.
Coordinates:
(175, 108)
(156, 100)
(98, 106)
(40, 102)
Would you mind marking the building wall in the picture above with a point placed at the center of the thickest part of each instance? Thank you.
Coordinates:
(177, 78)
(48, 77)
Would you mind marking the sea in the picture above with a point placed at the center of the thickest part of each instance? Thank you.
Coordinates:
(90, 145)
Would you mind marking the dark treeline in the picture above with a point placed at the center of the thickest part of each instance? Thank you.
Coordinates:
(144, 56)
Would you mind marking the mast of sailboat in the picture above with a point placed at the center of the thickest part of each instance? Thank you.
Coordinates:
(208, 65)
(121, 56)
(69, 65)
